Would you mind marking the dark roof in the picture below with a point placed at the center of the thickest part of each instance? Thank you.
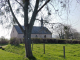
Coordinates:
(35, 30)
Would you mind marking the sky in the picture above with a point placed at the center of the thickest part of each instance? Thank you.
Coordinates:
(72, 18)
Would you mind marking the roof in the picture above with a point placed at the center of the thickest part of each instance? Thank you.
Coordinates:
(35, 30)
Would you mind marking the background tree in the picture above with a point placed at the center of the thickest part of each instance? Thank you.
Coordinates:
(75, 34)
(60, 31)
(65, 31)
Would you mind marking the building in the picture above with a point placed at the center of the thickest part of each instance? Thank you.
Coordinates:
(37, 32)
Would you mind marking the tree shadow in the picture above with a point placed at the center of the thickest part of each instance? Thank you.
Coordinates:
(32, 58)
(61, 56)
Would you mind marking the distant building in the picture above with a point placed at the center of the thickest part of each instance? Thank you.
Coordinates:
(37, 32)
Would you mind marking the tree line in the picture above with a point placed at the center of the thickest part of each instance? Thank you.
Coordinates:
(65, 31)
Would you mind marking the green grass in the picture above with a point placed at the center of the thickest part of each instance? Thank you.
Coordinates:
(55, 51)
(20, 49)
(9, 56)
(52, 52)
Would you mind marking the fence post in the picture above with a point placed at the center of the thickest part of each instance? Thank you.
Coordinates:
(44, 47)
(64, 51)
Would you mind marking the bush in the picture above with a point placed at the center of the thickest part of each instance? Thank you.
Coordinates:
(3, 40)
(14, 41)
(37, 40)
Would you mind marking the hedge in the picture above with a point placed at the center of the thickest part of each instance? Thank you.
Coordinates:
(56, 41)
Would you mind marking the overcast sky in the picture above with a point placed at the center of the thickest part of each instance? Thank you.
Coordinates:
(73, 19)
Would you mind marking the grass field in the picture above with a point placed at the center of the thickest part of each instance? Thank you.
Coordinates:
(52, 52)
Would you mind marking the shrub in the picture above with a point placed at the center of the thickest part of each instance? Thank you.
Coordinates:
(37, 40)
(14, 41)
(3, 40)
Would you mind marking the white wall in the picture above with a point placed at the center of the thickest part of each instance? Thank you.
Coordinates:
(41, 35)
(38, 35)
(20, 36)
(14, 33)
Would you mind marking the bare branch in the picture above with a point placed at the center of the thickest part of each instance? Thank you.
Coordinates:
(34, 14)
(43, 5)
(19, 3)
(15, 17)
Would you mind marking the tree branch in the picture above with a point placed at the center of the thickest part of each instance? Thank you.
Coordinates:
(15, 17)
(19, 3)
(43, 5)
(26, 13)
(34, 14)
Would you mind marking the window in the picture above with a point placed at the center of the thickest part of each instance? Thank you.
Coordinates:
(44, 36)
(36, 36)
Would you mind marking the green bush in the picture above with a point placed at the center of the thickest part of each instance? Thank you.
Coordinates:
(37, 40)
(3, 40)
(14, 41)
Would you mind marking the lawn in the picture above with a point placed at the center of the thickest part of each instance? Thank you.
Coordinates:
(52, 52)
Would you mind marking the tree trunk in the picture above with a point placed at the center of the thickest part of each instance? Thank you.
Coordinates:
(27, 39)
(27, 31)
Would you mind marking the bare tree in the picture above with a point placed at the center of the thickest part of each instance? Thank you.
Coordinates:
(28, 24)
